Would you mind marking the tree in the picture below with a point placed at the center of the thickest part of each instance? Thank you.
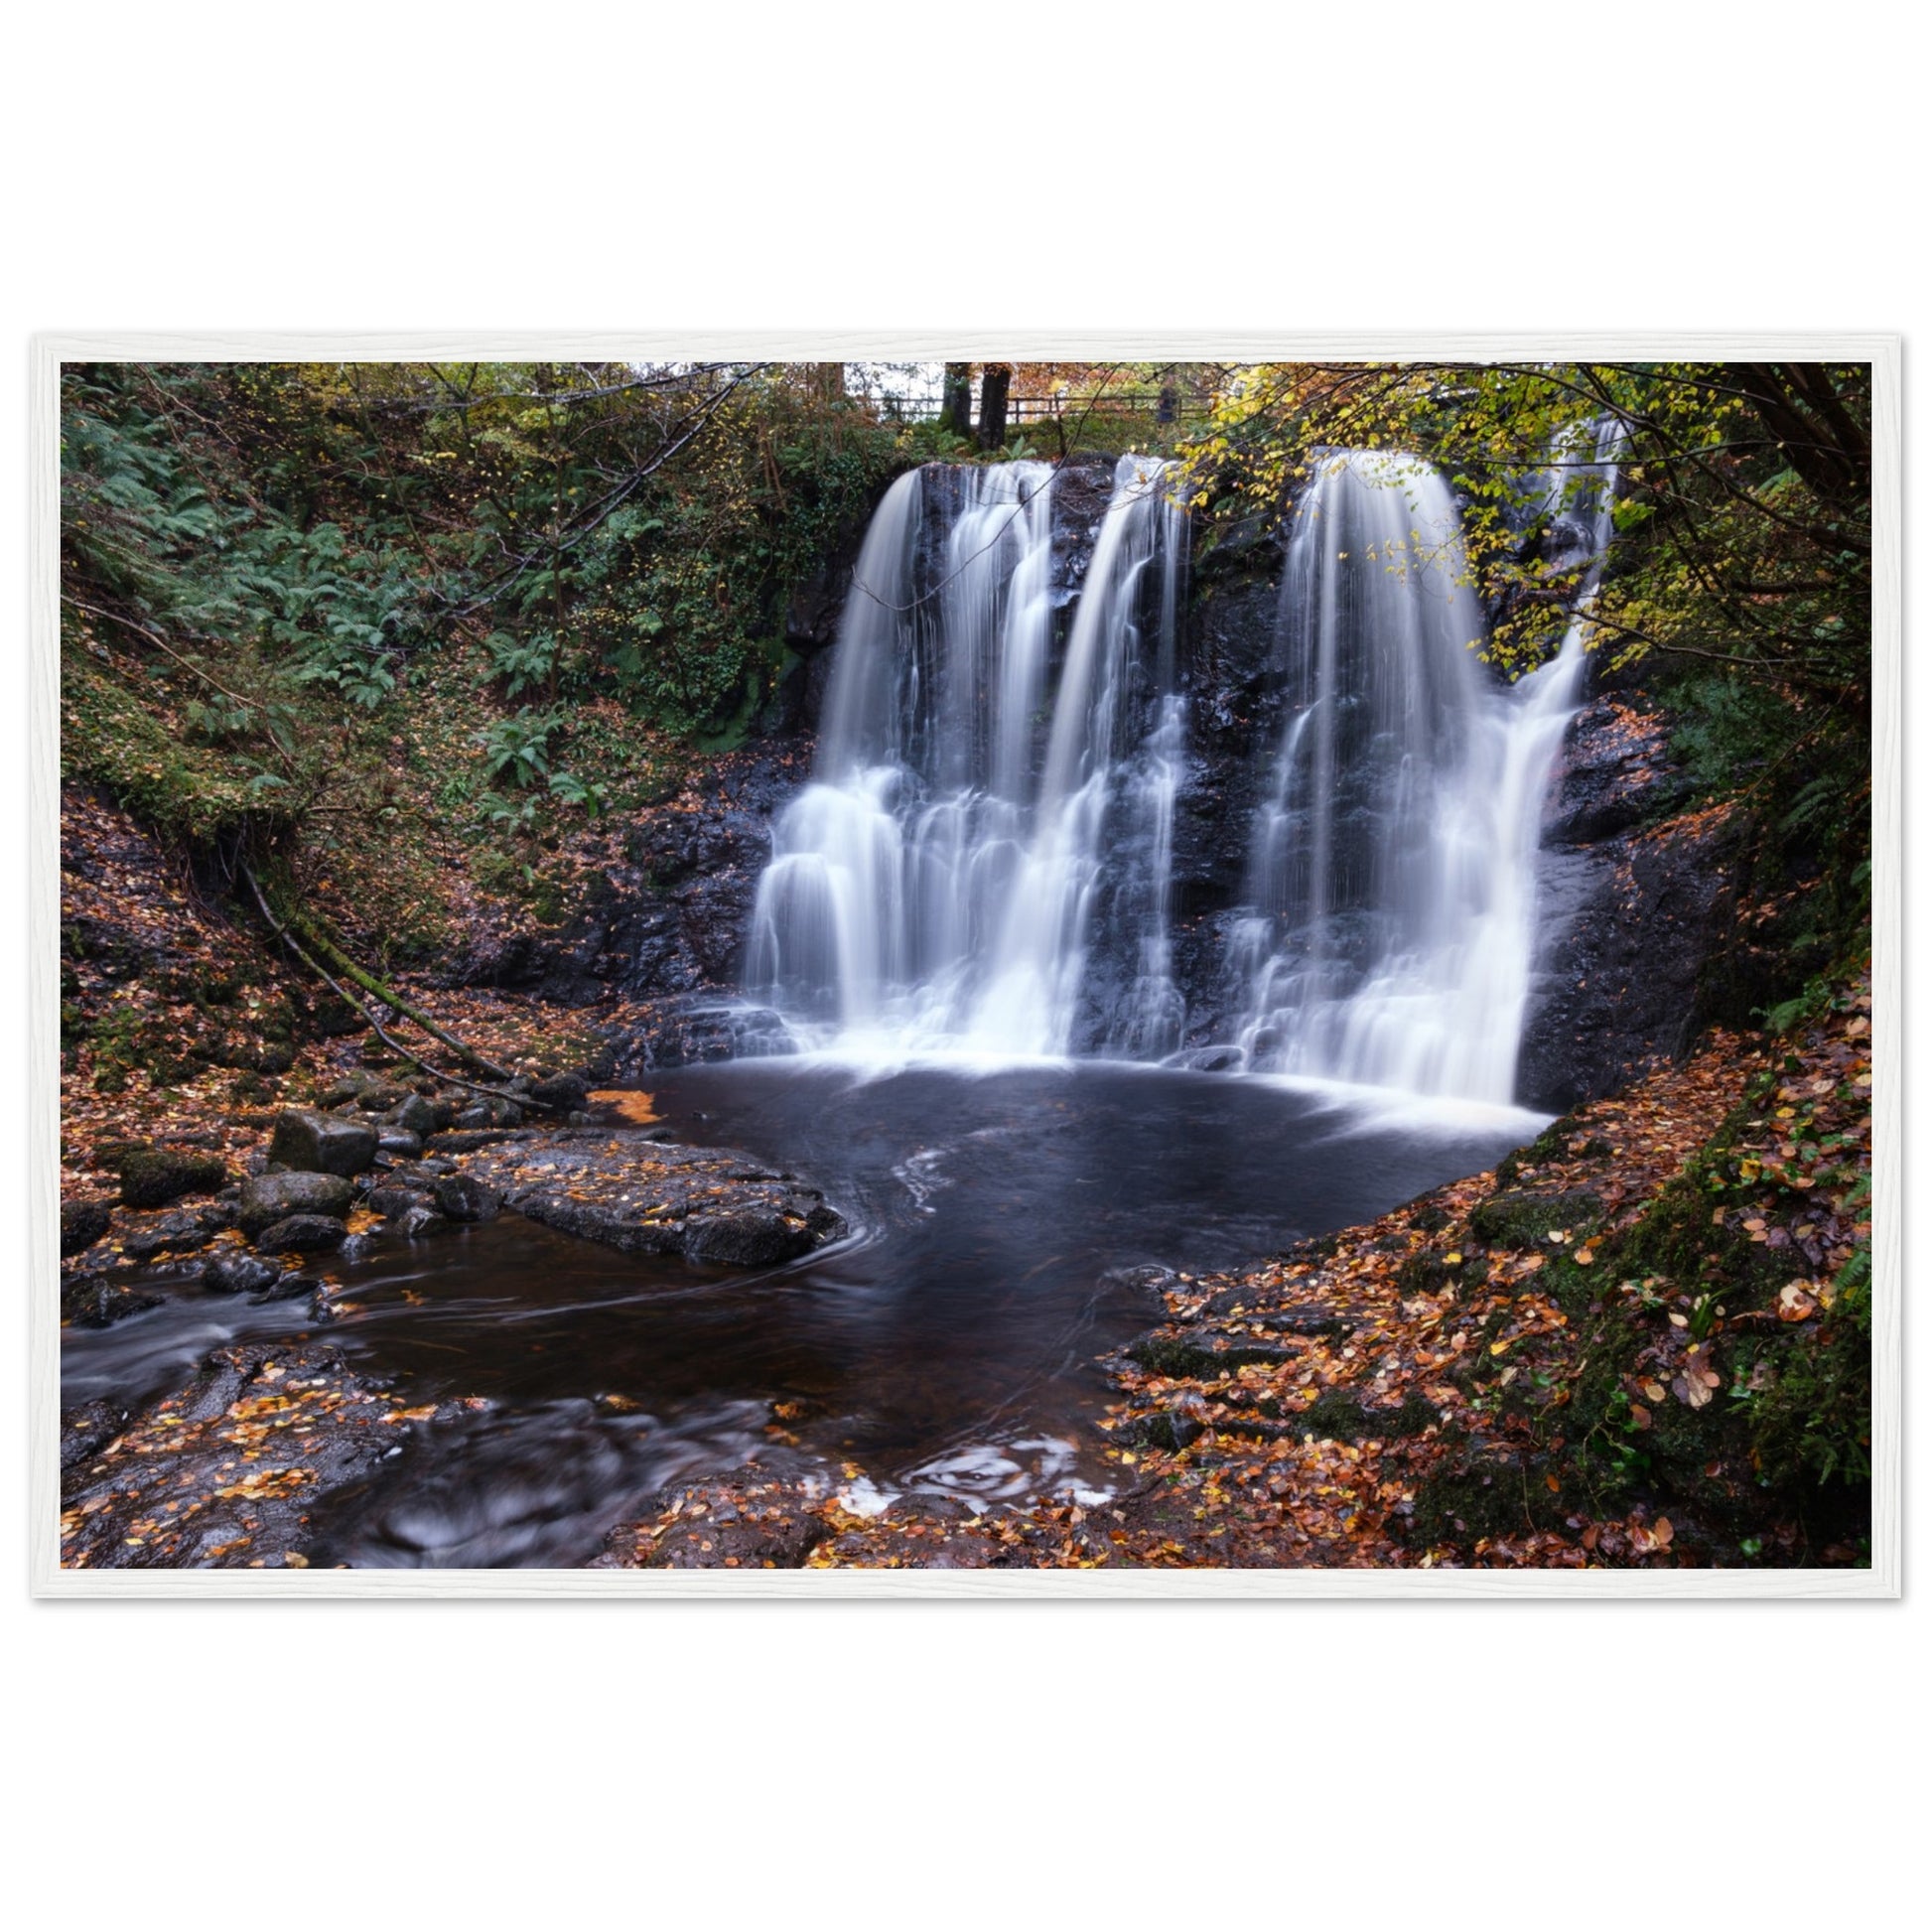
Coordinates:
(956, 409)
(996, 379)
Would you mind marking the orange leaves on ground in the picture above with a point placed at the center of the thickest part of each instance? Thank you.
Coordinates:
(633, 1107)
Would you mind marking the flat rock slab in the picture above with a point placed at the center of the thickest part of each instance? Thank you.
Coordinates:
(224, 1473)
(708, 1204)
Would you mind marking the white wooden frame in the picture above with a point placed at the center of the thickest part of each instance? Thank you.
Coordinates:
(1885, 1577)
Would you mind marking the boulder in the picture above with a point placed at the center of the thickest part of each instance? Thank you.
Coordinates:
(464, 1198)
(82, 1223)
(395, 1145)
(314, 1143)
(562, 1093)
(413, 1116)
(238, 1274)
(304, 1234)
(415, 1223)
(389, 1201)
(94, 1302)
(176, 1233)
(754, 1237)
(153, 1177)
(272, 1197)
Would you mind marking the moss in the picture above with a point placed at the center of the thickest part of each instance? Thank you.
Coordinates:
(1333, 1417)
(1489, 1493)
(1183, 1360)
(1550, 1145)
(1528, 1220)
(153, 1177)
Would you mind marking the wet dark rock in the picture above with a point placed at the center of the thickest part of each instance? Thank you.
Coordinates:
(390, 1201)
(463, 1139)
(93, 1300)
(413, 1223)
(462, 1198)
(234, 1273)
(1633, 910)
(1173, 1428)
(398, 1146)
(382, 1096)
(154, 1176)
(303, 1235)
(291, 1287)
(315, 1143)
(668, 912)
(176, 1233)
(708, 1204)
(1333, 1417)
(82, 1223)
(87, 1429)
(269, 1198)
(414, 1114)
(1204, 1355)
(755, 1238)
(562, 1093)
(165, 1487)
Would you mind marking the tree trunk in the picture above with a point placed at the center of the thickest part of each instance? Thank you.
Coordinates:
(956, 411)
(995, 379)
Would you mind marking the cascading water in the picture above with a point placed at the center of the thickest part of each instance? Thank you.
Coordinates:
(1391, 932)
(978, 811)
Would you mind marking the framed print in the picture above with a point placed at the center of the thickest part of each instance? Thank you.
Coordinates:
(839, 964)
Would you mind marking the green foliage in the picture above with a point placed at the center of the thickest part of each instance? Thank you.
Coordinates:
(518, 747)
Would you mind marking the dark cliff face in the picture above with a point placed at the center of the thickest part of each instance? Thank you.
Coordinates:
(1634, 896)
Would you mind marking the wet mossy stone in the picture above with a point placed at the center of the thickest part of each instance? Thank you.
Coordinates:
(91, 1301)
(1528, 1220)
(1336, 1418)
(756, 1237)
(155, 1176)
(315, 1143)
(1170, 1429)
(462, 1198)
(82, 1223)
(562, 1093)
(272, 1197)
(391, 1200)
(303, 1235)
(413, 1114)
(1183, 1360)
(238, 1274)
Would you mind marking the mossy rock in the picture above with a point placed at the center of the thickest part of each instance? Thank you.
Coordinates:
(1185, 1360)
(82, 1223)
(1336, 1418)
(1528, 1220)
(153, 1177)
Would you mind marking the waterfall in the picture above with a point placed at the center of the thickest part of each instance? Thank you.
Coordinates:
(1390, 931)
(981, 804)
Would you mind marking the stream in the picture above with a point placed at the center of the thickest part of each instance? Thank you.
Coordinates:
(948, 1344)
